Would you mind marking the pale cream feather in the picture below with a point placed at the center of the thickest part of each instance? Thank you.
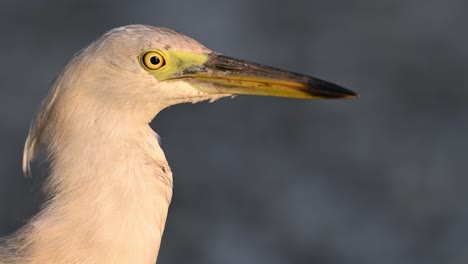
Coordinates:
(109, 185)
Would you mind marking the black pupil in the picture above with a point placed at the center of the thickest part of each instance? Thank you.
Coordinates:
(154, 60)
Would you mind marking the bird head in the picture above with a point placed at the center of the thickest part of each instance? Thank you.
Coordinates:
(145, 68)
(133, 72)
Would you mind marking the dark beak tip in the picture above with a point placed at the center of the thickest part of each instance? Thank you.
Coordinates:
(330, 90)
(351, 95)
(338, 93)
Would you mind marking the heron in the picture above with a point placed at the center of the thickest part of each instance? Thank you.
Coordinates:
(109, 185)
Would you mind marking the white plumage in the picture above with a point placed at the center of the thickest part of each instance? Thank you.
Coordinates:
(109, 185)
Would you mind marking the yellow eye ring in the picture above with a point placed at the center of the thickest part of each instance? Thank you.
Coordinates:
(153, 60)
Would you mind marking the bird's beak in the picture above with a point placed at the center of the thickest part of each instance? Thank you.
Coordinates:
(224, 75)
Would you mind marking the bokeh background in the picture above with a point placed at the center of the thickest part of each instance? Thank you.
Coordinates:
(380, 179)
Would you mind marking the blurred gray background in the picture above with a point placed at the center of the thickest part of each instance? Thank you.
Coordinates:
(380, 179)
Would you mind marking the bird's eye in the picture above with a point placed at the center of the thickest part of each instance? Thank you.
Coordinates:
(153, 60)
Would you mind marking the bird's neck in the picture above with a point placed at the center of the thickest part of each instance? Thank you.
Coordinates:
(111, 190)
